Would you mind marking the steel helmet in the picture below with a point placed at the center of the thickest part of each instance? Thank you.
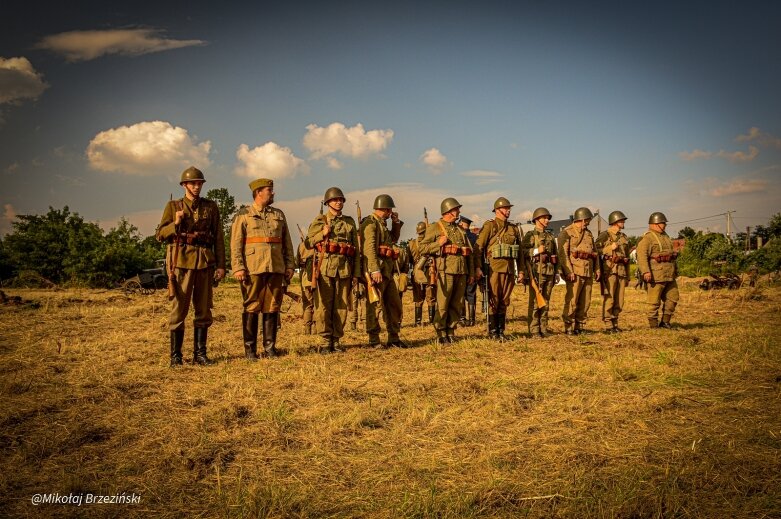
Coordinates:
(384, 202)
(615, 216)
(583, 213)
(448, 204)
(501, 202)
(657, 217)
(420, 228)
(331, 193)
(540, 211)
(191, 174)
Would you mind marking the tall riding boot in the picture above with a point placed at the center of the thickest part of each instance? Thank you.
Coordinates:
(432, 311)
(199, 347)
(250, 329)
(493, 332)
(177, 338)
(418, 315)
(270, 334)
(470, 314)
(500, 320)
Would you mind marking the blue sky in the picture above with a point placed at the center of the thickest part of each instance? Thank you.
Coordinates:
(665, 106)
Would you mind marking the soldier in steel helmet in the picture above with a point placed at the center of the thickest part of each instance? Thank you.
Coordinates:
(195, 259)
(263, 261)
(454, 266)
(378, 260)
(499, 244)
(334, 236)
(656, 260)
(541, 254)
(304, 261)
(580, 266)
(613, 248)
(422, 286)
(470, 296)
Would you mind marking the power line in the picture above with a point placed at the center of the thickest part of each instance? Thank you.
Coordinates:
(687, 221)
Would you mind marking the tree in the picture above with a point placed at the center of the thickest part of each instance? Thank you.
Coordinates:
(774, 226)
(687, 232)
(227, 205)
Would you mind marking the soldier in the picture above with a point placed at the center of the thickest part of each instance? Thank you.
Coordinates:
(422, 288)
(656, 260)
(263, 262)
(613, 247)
(336, 268)
(304, 260)
(580, 267)
(499, 244)
(455, 268)
(195, 259)
(539, 248)
(470, 296)
(358, 304)
(378, 257)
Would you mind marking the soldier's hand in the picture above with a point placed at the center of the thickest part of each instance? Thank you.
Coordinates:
(376, 278)
(647, 277)
(394, 217)
(596, 277)
(178, 216)
(571, 277)
(519, 280)
(326, 230)
(613, 246)
(470, 280)
(442, 240)
(219, 274)
(288, 274)
(478, 273)
(240, 275)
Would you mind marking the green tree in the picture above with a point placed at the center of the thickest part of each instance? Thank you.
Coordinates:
(774, 226)
(228, 209)
(687, 233)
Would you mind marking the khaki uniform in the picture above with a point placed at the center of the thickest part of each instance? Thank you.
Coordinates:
(613, 248)
(578, 256)
(337, 267)
(375, 234)
(655, 254)
(201, 251)
(542, 266)
(422, 288)
(261, 245)
(304, 260)
(454, 264)
(499, 242)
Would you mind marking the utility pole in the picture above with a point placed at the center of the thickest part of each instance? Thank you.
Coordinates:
(748, 238)
(729, 221)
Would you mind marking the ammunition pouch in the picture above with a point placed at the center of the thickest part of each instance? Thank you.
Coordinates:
(332, 247)
(616, 260)
(455, 250)
(504, 250)
(387, 252)
(579, 254)
(665, 258)
(545, 258)
(199, 239)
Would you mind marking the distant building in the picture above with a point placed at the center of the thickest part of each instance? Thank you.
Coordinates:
(597, 225)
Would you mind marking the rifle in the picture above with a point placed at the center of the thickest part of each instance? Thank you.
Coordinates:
(541, 302)
(319, 257)
(432, 271)
(300, 232)
(371, 290)
(174, 255)
(486, 292)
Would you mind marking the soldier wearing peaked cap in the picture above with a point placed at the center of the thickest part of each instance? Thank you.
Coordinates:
(613, 248)
(580, 265)
(334, 237)
(454, 266)
(378, 262)
(263, 261)
(541, 253)
(499, 243)
(195, 257)
(656, 260)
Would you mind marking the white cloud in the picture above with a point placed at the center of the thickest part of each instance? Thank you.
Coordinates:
(9, 213)
(19, 81)
(333, 163)
(483, 177)
(434, 160)
(763, 138)
(337, 139)
(87, 45)
(270, 161)
(147, 148)
(696, 154)
(739, 156)
(738, 186)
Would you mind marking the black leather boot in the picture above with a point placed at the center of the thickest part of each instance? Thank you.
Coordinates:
(270, 334)
(665, 323)
(500, 321)
(418, 315)
(432, 311)
(470, 314)
(199, 347)
(177, 338)
(249, 323)
(493, 332)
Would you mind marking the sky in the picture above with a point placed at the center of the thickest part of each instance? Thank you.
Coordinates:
(631, 106)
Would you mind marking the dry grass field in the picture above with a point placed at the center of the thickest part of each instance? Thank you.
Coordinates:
(648, 423)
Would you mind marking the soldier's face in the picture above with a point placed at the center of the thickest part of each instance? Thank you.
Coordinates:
(336, 204)
(193, 188)
(504, 211)
(265, 196)
(542, 221)
(620, 224)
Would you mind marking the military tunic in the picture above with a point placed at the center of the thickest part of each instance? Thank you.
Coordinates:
(375, 234)
(541, 255)
(504, 263)
(655, 254)
(304, 261)
(422, 288)
(454, 263)
(261, 245)
(201, 250)
(577, 256)
(336, 271)
(613, 247)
